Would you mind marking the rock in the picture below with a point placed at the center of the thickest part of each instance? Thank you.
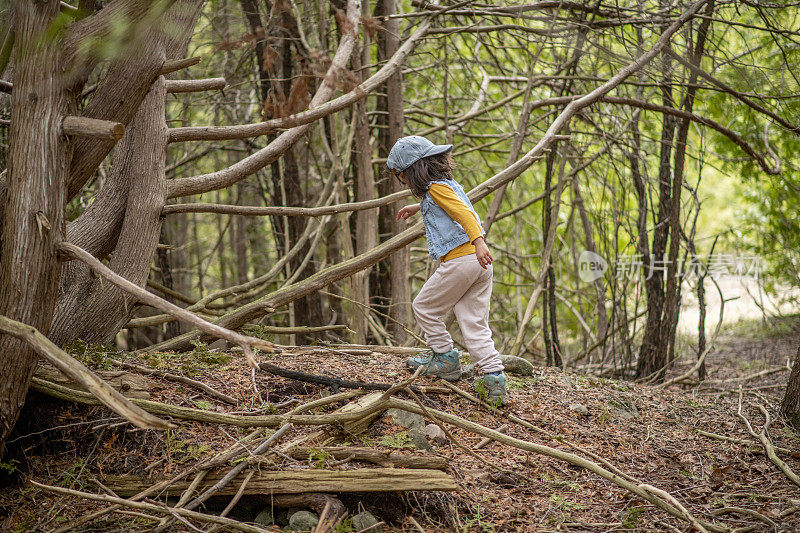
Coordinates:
(364, 520)
(435, 433)
(579, 408)
(624, 409)
(303, 521)
(406, 419)
(512, 364)
(517, 365)
(417, 438)
(264, 518)
(467, 371)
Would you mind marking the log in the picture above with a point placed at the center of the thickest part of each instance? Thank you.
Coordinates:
(92, 127)
(356, 426)
(196, 86)
(302, 481)
(385, 458)
(130, 385)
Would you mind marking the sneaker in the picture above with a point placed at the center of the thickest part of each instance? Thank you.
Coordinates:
(440, 365)
(492, 388)
(422, 358)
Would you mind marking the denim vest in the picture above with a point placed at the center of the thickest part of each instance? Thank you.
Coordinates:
(444, 233)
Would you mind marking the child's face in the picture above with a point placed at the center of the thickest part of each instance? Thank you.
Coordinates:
(399, 176)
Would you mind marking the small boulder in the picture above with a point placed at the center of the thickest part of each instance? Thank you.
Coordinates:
(517, 365)
(417, 438)
(366, 520)
(579, 408)
(435, 433)
(264, 518)
(303, 521)
(406, 419)
(511, 363)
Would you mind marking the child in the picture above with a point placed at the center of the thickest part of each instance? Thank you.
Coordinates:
(463, 279)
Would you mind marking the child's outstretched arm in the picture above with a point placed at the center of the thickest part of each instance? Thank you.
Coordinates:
(407, 211)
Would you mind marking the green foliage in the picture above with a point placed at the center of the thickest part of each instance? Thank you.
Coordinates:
(93, 355)
(318, 458)
(399, 440)
(9, 467)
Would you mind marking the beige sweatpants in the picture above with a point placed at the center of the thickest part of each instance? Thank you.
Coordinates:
(460, 284)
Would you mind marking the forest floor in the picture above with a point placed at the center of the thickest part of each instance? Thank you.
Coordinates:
(652, 434)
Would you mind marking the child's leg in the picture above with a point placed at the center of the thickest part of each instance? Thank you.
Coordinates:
(439, 294)
(472, 312)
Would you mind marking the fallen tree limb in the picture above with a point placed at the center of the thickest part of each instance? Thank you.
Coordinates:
(639, 490)
(100, 391)
(199, 415)
(314, 113)
(335, 383)
(765, 442)
(302, 481)
(215, 461)
(176, 378)
(233, 524)
(743, 442)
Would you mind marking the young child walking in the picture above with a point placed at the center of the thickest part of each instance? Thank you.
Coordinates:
(463, 279)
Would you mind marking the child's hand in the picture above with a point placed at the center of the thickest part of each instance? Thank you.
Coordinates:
(407, 211)
(482, 252)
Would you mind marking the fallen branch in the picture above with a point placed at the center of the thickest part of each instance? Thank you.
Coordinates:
(639, 490)
(199, 415)
(336, 383)
(176, 378)
(219, 459)
(311, 480)
(99, 390)
(762, 436)
(233, 524)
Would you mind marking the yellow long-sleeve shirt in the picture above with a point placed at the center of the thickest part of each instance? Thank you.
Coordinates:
(447, 199)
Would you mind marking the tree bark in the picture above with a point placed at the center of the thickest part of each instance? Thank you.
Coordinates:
(34, 210)
(791, 401)
(395, 283)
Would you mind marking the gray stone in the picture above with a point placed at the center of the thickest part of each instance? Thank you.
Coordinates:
(517, 365)
(303, 521)
(417, 438)
(264, 518)
(579, 408)
(512, 364)
(435, 433)
(365, 519)
(406, 419)
(624, 409)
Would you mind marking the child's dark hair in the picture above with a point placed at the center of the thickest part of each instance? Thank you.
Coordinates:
(428, 169)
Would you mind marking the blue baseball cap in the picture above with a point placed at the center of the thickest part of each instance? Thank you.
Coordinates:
(408, 150)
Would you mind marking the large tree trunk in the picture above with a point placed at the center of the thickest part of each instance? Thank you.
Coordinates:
(791, 402)
(399, 289)
(34, 211)
(125, 220)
